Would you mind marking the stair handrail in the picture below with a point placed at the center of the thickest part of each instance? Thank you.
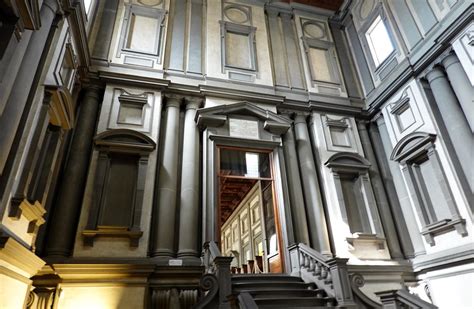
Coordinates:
(216, 281)
(329, 273)
(402, 298)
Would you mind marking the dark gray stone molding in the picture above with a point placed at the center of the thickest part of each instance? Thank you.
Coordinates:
(347, 162)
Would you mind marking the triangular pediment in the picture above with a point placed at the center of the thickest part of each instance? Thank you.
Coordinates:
(218, 115)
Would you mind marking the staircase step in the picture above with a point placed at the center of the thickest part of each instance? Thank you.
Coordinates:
(271, 285)
(264, 277)
(291, 302)
(283, 293)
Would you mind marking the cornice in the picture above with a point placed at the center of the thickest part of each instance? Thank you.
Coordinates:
(15, 254)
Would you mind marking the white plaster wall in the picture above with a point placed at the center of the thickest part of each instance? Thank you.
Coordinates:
(452, 287)
(13, 292)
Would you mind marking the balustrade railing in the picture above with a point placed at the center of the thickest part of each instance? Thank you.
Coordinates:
(402, 299)
(329, 274)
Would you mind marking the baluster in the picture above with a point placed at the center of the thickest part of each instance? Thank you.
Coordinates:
(317, 269)
(312, 263)
(328, 279)
(306, 261)
(324, 272)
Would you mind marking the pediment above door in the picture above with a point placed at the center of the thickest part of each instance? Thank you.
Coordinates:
(218, 116)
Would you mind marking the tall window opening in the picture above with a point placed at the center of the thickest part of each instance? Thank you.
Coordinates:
(380, 44)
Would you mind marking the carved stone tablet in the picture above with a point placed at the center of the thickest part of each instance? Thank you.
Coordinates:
(243, 128)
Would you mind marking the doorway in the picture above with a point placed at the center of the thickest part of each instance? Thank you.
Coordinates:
(248, 224)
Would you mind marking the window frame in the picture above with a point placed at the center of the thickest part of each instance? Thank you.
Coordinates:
(158, 14)
(362, 32)
(370, 42)
(249, 31)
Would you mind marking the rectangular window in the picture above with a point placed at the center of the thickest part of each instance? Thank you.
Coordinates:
(380, 44)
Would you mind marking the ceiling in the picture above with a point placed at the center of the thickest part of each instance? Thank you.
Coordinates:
(232, 192)
(332, 5)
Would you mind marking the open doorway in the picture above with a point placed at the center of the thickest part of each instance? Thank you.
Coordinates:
(247, 215)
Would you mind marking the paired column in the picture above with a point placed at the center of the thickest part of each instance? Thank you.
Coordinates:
(295, 189)
(312, 194)
(189, 200)
(68, 205)
(461, 85)
(167, 182)
(454, 120)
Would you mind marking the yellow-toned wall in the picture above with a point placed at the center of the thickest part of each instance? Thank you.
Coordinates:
(100, 297)
(13, 291)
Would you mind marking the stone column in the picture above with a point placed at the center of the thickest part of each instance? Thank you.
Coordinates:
(461, 85)
(295, 189)
(165, 216)
(66, 212)
(453, 117)
(379, 192)
(312, 194)
(189, 201)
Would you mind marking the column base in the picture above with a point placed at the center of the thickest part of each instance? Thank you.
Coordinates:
(163, 253)
(184, 253)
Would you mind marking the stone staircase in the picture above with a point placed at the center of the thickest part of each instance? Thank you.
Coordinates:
(279, 291)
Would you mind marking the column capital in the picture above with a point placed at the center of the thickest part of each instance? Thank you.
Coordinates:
(435, 73)
(300, 117)
(173, 100)
(285, 15)
(272, 11)
(450, 59)
(193, 102)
